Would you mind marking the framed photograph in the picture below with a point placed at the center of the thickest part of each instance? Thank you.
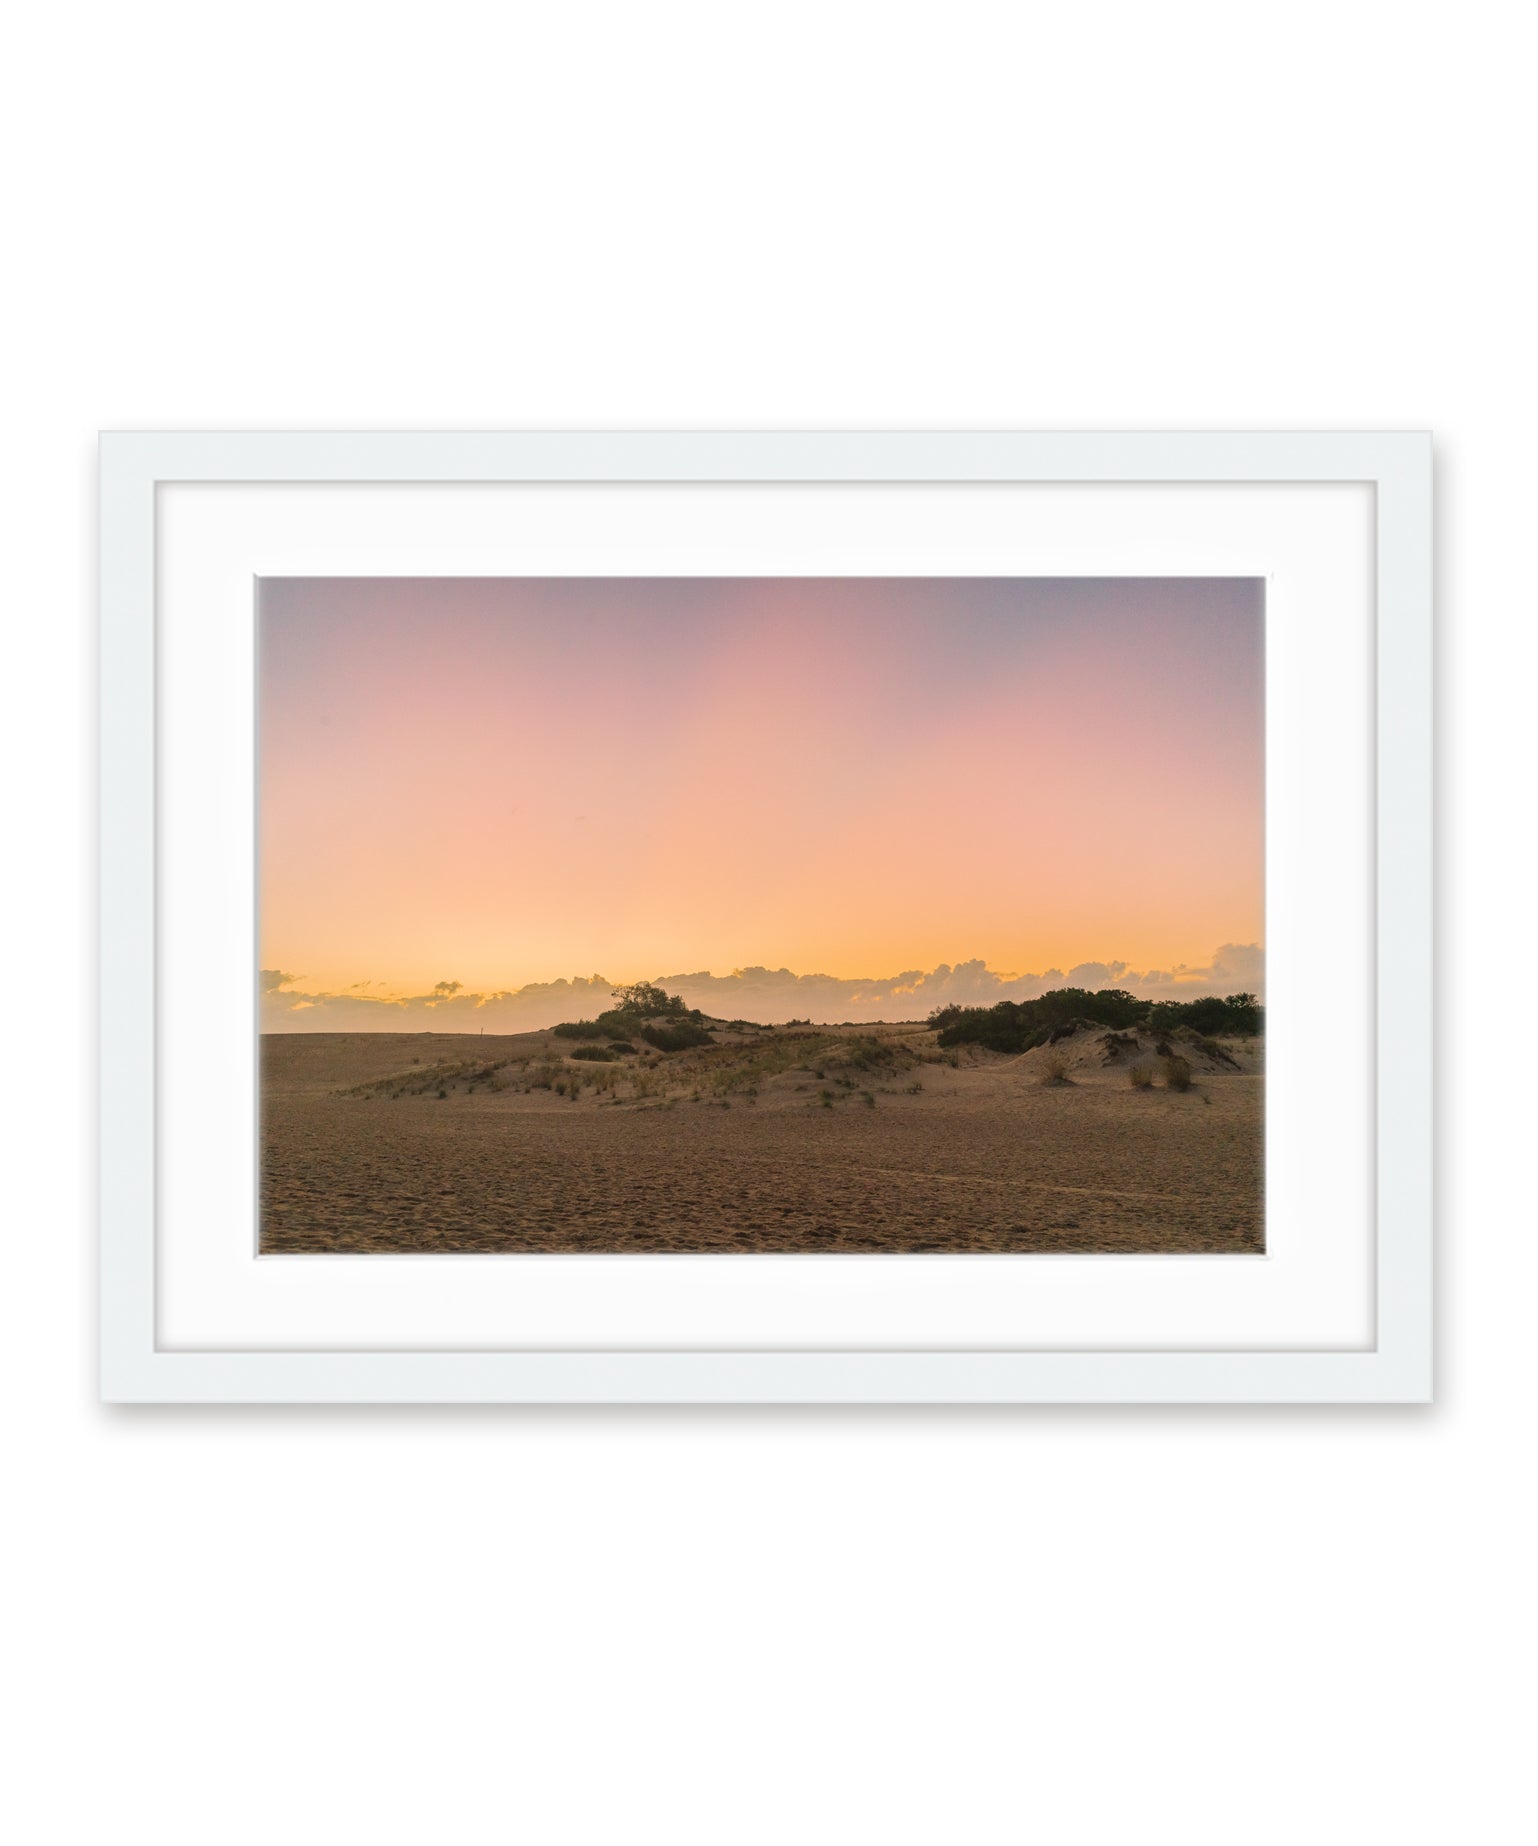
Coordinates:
(799, 918)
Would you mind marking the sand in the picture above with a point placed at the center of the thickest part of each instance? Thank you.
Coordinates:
(745, 1147)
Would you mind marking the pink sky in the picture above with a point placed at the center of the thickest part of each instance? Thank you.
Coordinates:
(502, 782)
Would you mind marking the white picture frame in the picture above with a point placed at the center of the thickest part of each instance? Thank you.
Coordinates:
(137, 1365)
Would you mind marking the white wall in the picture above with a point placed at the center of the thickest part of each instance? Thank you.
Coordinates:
(402, 1626)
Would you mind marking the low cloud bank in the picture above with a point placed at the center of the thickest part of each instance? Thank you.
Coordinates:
(768, 995)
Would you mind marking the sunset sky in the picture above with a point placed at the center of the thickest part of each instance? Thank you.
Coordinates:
(505, 782)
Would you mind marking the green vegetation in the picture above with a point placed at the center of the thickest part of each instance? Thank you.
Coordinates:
(740, 1067)
(434, 1079)
(680, 1037)
(643, 1010)
(643, 1000)
(1021, 1025)
(867, 1053)
(651, 1048)
(1239, 1016)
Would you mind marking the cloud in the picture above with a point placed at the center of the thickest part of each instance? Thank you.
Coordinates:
(1097, 974)
(1236, 967)
(275, 977)
(771, 995)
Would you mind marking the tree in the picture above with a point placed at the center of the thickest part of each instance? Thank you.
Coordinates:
(644, 1000)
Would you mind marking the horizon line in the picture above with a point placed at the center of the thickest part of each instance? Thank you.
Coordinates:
(765, 995)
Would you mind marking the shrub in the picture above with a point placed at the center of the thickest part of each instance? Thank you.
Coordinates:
(1239, 1015)
(580, 1028)
(1012, 1023)
(1141, 1076)
(1054, 1067)
(594, 1054)
(1177, 1073)
(623, 1047)
(862, 1053)
(744, 1067)
(680, 1037)
(1020, 1025)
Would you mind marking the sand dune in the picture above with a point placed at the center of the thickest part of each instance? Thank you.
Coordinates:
(864, 1138)
(1085, 1049)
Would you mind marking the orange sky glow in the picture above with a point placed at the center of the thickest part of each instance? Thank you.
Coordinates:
(501, 782)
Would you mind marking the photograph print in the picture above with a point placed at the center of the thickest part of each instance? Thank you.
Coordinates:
(756, 915)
